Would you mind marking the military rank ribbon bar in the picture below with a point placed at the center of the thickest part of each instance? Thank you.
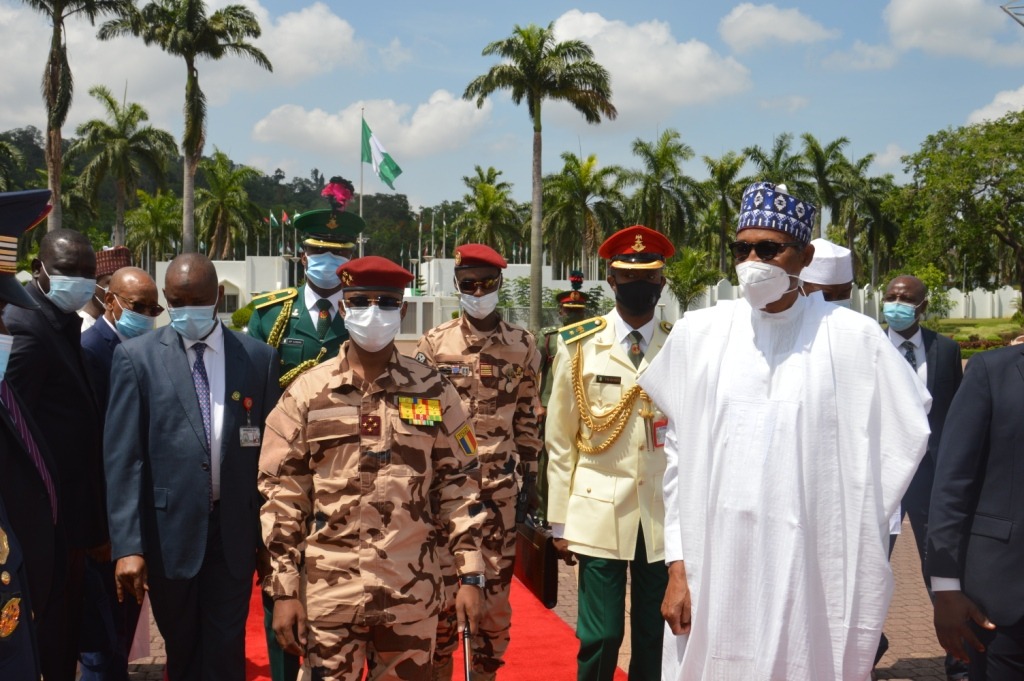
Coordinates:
(419, 411)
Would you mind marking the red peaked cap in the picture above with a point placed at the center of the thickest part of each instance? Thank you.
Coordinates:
(638, 248)
(478, 255)
(373, 272)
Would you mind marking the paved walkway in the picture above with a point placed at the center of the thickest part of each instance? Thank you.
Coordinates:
(914, 654)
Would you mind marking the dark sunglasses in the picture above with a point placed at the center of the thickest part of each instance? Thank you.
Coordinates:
(383, 302)
(766, 250)
(318, 250)
(138, 307)
(471, 285)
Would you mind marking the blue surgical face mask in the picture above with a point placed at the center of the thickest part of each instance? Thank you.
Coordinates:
(69, 294)
(6, 343)
(322, 269)
(131, 323)
(899, 316)
(193, 323)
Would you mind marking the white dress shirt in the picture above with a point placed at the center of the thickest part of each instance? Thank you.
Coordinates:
(314, 312)
(622, 331)
(919, 355)
(213, 359)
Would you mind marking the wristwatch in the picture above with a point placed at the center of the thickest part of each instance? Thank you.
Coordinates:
(473, 580)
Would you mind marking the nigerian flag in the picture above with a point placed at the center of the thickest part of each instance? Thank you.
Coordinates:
(374, 152)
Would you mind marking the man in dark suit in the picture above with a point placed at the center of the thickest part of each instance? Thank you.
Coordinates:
(181, 445)
(48, 373)
(936, 360)
(130, 309)
(975, 542)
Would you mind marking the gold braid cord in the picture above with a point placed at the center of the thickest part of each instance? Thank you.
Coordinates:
(291, 375)
(277, 330)
(615, 418)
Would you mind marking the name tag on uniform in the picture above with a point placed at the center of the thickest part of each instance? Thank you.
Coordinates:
(292, 341)
(454, 370)
(611, 380)
(249, 436)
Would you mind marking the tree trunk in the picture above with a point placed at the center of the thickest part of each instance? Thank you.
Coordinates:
(119, 208)
(851, 229)
(188, 202)
(536, 234)
(53, 172)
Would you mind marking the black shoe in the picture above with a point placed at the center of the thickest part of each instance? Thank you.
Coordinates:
(883, 645)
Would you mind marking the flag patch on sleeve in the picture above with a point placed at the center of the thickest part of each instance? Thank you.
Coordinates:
(466, 439)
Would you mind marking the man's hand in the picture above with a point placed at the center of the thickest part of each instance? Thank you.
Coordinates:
(289, 625)
(468, 605)
(953, 612)
(130, 576)
(562, 547)
(675, 607)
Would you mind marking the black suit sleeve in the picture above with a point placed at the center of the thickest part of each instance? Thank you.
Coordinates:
(123, 446)
(964, 446)
(27, 367)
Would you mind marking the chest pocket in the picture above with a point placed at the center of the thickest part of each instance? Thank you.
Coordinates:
(333, 438)
(604, 392)
(292, 351)
(411, 449)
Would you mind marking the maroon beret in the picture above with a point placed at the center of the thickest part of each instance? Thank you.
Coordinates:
(572, 299)
(110, 260)
(478, 255)
(373, 272)
(637, 247)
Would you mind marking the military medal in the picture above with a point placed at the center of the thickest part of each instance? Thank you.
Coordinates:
(5, 577)
(419, 411)
(5, 547)
(248, 434)
(512, 373)
(9, 616)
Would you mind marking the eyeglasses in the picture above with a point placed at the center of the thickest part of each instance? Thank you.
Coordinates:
(471, 285)
(766, 250)
(139, 307)
(383, 302)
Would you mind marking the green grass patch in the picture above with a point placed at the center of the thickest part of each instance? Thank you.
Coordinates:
(976, 329)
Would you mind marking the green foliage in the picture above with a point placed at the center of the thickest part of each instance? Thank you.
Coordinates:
(240, 317)
(597, 302)
(938, 293)
(1018, 313)
(690, 274)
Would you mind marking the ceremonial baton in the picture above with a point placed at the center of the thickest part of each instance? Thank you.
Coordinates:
(466, 643)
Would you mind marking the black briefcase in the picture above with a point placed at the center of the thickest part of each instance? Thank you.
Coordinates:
(537, 562)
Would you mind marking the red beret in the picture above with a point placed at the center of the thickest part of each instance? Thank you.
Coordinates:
(637, 247)
(373, 272)
(478, 255)
(572, 299)
(110, 260)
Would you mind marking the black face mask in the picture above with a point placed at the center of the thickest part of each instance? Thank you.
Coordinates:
(638, 297)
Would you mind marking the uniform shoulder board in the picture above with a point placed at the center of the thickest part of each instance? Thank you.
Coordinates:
(274, 297)
(575, 332)
(666, 327)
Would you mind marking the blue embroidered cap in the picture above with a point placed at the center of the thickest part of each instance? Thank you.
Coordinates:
(768, 206)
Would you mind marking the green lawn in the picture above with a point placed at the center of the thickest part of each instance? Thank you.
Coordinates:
(976, 329)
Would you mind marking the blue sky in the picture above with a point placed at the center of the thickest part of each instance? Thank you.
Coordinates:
(726, 75)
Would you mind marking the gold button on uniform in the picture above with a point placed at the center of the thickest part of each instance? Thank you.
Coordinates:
(5, 577)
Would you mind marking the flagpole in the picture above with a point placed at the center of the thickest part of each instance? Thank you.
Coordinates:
(433, 217)
(362, 120)
(444, 236)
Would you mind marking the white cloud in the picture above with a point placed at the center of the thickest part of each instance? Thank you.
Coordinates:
(394, 55)
(1003, 103)
(442, 123)
(964, 28)
(749, 26)
(789, 104)
(888, 160)
(864, 57)
(650, 70)
(310, 41)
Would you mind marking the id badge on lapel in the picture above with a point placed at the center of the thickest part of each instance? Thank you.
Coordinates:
(248, 435)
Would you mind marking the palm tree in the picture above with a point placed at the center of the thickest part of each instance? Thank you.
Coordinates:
(825, 164)
(59, 86)
(689, 275)
(491, 217)
(780, 165)
(121, 149)
(724, 190)
(668, 199)
(153, 228)
(852, 190)
(224, 211)
(183, 28)
(581, 209)
(879, 224)
(536, 68)
(11, 159)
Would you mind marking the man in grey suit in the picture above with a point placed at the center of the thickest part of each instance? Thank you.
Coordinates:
(184, 523)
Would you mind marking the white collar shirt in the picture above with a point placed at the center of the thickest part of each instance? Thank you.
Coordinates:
(214, 360)
(917, 340)
(310, 299)
(622, 331)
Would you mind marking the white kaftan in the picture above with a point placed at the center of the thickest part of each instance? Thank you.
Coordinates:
(792, 438)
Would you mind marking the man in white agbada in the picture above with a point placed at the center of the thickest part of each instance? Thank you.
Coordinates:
(794, 429)
(831, 272)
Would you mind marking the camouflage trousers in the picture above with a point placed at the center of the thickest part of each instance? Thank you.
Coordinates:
(394, 652)
(499, 552)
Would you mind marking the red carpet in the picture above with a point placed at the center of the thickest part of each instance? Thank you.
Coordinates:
(543, 647)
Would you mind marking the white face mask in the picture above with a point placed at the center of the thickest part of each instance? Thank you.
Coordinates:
(762, 283)
(372, 328)
(479, 308)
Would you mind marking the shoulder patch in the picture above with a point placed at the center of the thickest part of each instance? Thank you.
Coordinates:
(274, 297)
(466, 439)
(575, 332)
(666, 327)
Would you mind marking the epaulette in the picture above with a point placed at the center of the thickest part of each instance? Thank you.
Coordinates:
(574, 332)
(666, 327)
(274, 297)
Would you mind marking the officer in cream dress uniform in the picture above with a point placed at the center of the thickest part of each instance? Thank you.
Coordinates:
(604, 440)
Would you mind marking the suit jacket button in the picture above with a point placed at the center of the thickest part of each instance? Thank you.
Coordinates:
(206, 466)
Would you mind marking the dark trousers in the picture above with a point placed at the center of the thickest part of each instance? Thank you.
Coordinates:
(108, 627)
(601, 622)
(1003, 659)
(58, 629)
(283, 666)
(202, 619)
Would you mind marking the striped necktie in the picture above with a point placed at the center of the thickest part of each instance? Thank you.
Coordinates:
(7, 398)
(908, 352)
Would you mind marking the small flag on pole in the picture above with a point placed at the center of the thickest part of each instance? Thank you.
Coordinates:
(284, 217)
(273, 220)
(374, 152)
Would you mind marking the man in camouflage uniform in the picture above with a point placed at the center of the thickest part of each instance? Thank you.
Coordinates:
(363, 468)
(494, 367)
(303, 323)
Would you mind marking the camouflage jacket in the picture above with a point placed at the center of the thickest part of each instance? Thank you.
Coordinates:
(363, 479)
(496, 376)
